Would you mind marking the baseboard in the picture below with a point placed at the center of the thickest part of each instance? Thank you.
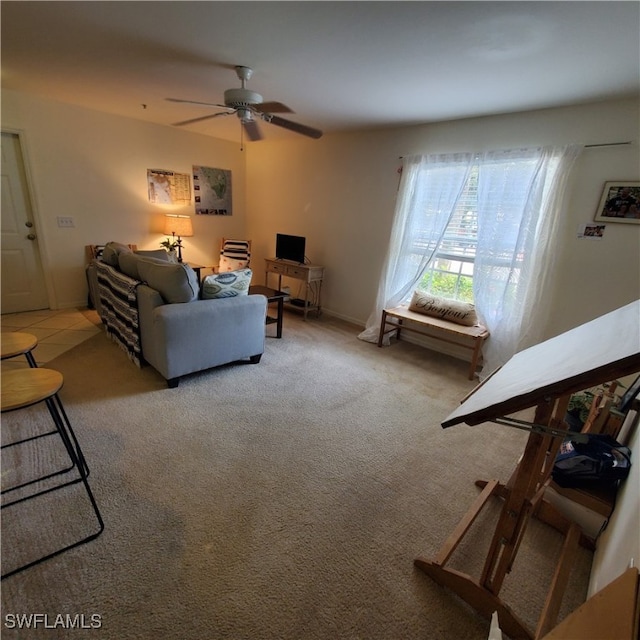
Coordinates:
(437, 345)
(339, 316)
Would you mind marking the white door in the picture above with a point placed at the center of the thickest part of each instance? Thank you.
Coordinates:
(23, 285)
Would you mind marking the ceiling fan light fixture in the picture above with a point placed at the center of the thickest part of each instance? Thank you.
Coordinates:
(245, 115)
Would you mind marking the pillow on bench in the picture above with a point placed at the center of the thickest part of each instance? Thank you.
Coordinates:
(451, 310)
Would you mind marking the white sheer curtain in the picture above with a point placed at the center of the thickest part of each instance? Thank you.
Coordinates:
(520, 195)
(429, 190)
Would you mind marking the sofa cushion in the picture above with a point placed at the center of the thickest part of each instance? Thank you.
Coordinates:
(158, 254)
(111, 252)
(227, 285)
(128, 263)
(452, 310)
(174, 282)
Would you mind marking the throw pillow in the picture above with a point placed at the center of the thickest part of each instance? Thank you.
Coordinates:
(235, 255)
(227, 285)
(174, 282)
(452, 310)
(128, 263)
(158, 254)
(231, 264)
(111, 252)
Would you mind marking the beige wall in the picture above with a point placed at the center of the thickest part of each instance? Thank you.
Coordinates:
(93, 167)
(619, 545)
(339, 192)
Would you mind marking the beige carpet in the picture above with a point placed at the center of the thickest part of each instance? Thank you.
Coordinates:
(282, 500)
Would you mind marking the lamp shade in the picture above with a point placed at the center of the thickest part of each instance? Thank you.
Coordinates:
(178, 225)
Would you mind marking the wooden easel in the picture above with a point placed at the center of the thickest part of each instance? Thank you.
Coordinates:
(543, 377)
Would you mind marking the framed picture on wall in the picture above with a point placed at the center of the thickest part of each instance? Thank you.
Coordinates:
(620, 202)
(212, 191)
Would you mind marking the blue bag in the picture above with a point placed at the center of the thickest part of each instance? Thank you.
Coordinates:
(591, 460)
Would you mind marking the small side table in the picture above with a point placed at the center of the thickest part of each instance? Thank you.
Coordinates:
(17, 343)
(311, 274)
(272, 295)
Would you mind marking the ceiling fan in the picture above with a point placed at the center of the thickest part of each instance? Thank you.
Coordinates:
(249, 107)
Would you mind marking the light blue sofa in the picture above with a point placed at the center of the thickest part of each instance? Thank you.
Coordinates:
(153, 309)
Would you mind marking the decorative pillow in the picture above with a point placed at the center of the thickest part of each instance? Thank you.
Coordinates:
(231, 264)
(235, 255)
(451, 310)
(174, 282)
(158, 254)
(128, 263)
(111, 252)
(226, 285)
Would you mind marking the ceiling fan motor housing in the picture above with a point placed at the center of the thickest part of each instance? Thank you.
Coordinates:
(238, 98)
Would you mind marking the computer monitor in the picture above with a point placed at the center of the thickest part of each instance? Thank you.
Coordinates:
(290, 247)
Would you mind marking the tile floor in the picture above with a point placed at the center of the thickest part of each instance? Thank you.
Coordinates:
(57, 331)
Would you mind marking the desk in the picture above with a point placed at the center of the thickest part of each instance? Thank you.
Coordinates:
(311, 274)
(543, 376)
(272, 295)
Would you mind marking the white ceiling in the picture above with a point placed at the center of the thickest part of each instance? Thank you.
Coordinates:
(339, 65)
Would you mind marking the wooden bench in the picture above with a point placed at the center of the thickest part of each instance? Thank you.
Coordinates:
(400, 318)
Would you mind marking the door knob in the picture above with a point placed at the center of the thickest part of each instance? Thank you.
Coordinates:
(31, 236)
(28, 224)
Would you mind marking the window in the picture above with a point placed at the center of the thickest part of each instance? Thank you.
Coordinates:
(450, 272)
(485, 222)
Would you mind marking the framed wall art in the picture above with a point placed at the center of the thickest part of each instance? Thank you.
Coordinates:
(168, 187)
(212, 191)
(620, 202)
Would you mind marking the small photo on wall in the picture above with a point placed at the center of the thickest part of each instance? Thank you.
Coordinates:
(620, 202)
(212, 191)
(591, 231)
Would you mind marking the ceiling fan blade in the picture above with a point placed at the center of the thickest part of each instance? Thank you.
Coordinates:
(204, 104)
(252, 130)
(201, 118)
(272, 107)
(292, 126)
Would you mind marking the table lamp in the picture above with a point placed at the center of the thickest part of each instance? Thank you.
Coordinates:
(178, 226)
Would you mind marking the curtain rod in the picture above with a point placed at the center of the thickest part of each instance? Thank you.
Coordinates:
(606, 144)
(588, 146)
